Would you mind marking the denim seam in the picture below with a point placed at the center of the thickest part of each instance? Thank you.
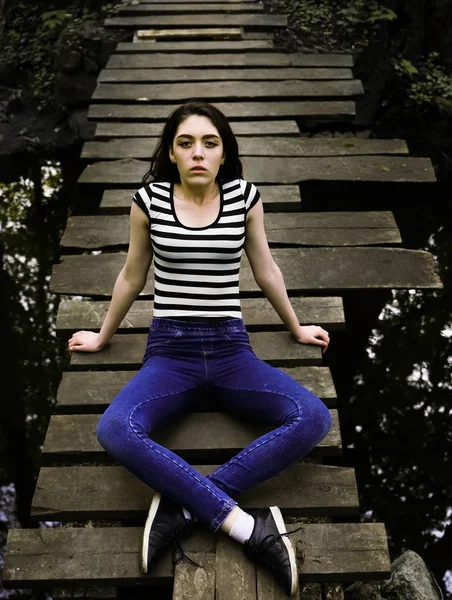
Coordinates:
(280, 432)
(158, 451)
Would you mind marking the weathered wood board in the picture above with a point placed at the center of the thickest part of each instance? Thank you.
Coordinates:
(209, 20)
(73, 438)
(220, 33)
(331, 110)
(170, 92)
(274, 197)
(257, 314)
(235, 577)
(164, 74)
(276, 347)
(332, 270)
(241, 47)
(77, 556)
(195, 582)
(294, 229)
(254, 128)
(143, 147)
(154, 8)
(287, 170)
(317, 63)
(79, 493)
(92, 391)
(196, 47)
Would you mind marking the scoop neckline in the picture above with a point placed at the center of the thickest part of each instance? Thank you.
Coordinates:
(176, 218)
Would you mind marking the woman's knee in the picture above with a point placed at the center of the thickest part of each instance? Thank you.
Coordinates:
(321, 418)
(110, 432)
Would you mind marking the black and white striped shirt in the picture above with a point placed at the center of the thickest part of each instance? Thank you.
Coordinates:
(196, 269)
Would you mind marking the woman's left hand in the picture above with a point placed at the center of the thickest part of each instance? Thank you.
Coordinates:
(313, 334)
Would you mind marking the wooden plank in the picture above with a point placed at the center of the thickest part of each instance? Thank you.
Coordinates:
(276, 347)
(257, 314)
(295, 229)
(268, 589)
(309, 270)
(315, 62)
(107, 92)
(255, 128)
(92, 391)
(331, 110)
(80, 493)
(196, 47)
(287, 170)
(193, 582)
(143, 147)
(235, 573)
(170, 21)
(160, 8)
(77, 556)
(223, 33)
(73, 438)
(274, 197)
(164, 74)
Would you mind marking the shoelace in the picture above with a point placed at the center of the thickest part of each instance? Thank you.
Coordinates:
(268, 541)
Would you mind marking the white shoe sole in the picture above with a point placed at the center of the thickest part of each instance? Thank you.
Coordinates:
(147, 530)
(290, 549)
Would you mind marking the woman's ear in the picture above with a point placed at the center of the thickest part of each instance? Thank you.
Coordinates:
(171, 155)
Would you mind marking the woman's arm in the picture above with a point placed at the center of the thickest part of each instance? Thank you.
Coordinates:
(269, 278)
(129, 283)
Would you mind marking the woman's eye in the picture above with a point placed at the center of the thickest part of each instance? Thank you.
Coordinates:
(184, 144)
(211, 144)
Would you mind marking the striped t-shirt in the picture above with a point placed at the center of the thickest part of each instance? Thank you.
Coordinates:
(196, 269)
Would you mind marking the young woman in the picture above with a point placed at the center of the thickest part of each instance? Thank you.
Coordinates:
(194, 220)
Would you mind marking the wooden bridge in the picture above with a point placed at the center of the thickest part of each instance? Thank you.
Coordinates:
(224, 53)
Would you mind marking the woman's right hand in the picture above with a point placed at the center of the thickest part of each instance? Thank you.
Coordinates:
(85, 341)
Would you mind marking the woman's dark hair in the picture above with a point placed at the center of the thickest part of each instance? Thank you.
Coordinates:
(162, 169)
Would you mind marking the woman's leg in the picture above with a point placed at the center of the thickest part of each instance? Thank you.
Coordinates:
(160, 392)
(251, 388)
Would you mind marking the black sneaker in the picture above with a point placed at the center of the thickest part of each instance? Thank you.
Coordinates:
(165, 522)
(270, 547)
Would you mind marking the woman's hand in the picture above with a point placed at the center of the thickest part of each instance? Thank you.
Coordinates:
(312, 334)
(85, 341)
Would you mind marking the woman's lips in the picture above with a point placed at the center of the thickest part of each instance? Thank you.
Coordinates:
(198, 169)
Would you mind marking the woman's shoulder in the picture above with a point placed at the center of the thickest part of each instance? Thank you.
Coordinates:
(156, 188)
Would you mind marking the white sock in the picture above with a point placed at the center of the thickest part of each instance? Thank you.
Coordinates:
(243, 527)
(187, 515)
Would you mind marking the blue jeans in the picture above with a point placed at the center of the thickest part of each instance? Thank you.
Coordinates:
(183, 360)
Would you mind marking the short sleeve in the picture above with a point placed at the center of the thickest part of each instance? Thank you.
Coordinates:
(143, 198)
(251, 195)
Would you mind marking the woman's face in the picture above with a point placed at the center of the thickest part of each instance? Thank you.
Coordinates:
(197, 150)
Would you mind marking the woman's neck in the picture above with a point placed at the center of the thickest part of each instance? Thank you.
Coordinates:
(197, 194)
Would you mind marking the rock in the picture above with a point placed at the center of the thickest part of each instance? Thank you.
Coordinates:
(79, 124)
(364, 591)
(90, 65)
(69, 60)
(410, 580)
(74, 89)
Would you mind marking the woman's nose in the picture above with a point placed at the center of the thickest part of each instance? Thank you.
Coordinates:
(198, 151)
